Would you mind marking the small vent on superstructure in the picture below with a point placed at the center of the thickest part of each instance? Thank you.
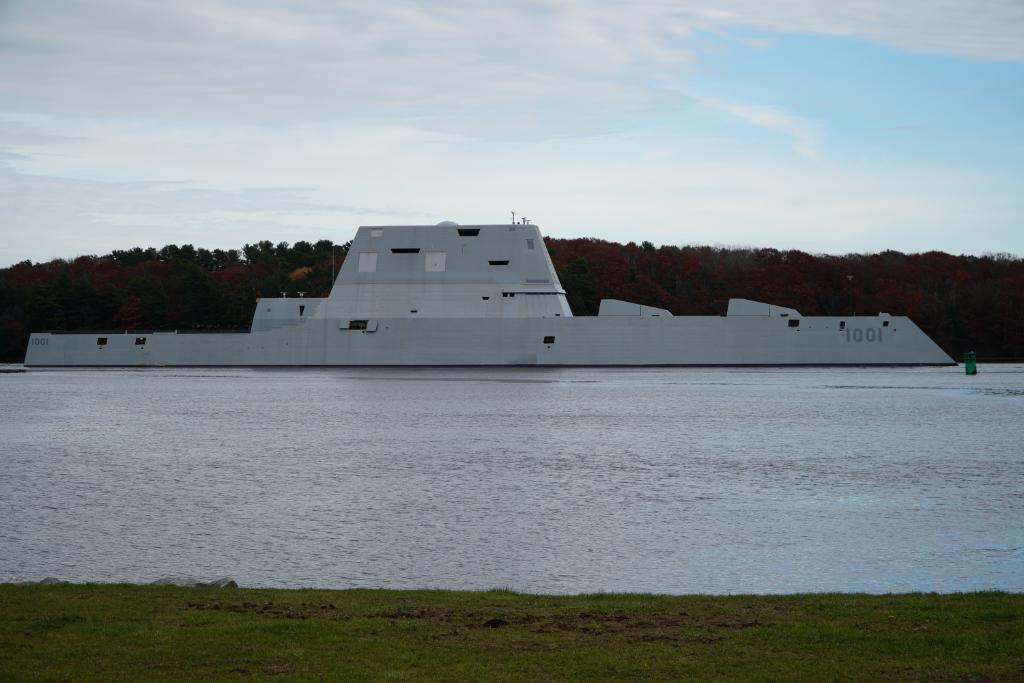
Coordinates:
(405, 250)
(499, 263)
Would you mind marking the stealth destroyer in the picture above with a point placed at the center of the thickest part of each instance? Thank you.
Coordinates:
(488, 295)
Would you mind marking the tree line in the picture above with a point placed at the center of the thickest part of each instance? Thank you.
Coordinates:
(963, 302)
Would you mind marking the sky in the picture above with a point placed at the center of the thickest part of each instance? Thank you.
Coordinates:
(820, 125)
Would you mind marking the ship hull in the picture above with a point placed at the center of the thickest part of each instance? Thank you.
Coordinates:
(556, 341)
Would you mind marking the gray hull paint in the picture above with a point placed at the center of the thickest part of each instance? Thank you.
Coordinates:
(587, 341)
(450, 295)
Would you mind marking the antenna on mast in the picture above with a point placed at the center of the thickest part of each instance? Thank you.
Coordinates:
(513, 218)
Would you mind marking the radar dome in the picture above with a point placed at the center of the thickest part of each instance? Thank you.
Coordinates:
(448, 224)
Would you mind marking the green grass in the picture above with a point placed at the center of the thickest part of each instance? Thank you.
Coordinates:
(153, 633)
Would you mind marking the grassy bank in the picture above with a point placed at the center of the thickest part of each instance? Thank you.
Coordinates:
(106, 632)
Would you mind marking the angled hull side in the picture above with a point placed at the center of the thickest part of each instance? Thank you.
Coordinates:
(587, 341)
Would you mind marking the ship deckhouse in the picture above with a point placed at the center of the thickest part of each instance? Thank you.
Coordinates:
(448, 271)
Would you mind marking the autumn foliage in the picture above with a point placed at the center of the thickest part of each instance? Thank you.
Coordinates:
(963, 302)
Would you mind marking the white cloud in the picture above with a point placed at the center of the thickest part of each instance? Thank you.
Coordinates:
(510, 70)
(805, 132)
(141, 121)
(490, 69)
(986, 30)
(321, 181)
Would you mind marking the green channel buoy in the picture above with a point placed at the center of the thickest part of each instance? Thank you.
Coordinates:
(971, 363)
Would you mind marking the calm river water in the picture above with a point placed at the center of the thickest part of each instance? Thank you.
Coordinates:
(560, 481)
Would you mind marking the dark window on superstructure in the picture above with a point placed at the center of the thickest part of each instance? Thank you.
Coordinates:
(486, 298)
(415, 310)
(140, 341)
(794, 323)
(842, 325)
(499, 263)
(405, 250)
(529, 243)
(357, 324)
(101, 341)
(302, 309)
(885, 323)
(469, 232)
(549, 340)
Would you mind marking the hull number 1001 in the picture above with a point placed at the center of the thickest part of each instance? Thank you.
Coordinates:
(869, 334)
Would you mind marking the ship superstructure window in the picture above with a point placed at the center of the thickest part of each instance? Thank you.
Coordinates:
(530, 244)
(842, 325)
(469, 232)
(794, 323)
(549, 340)
(405, 250)
(357, 324)
(140, 341)
(885, 323)
(436, 261)
(368, 262)
(302, 309)
(101, 341)
(499, 263)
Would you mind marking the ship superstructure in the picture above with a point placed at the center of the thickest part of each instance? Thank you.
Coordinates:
(453, 295)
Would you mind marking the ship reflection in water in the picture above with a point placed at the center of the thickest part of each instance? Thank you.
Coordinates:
(543, 480)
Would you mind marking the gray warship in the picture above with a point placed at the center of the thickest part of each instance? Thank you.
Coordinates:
(488, 295)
